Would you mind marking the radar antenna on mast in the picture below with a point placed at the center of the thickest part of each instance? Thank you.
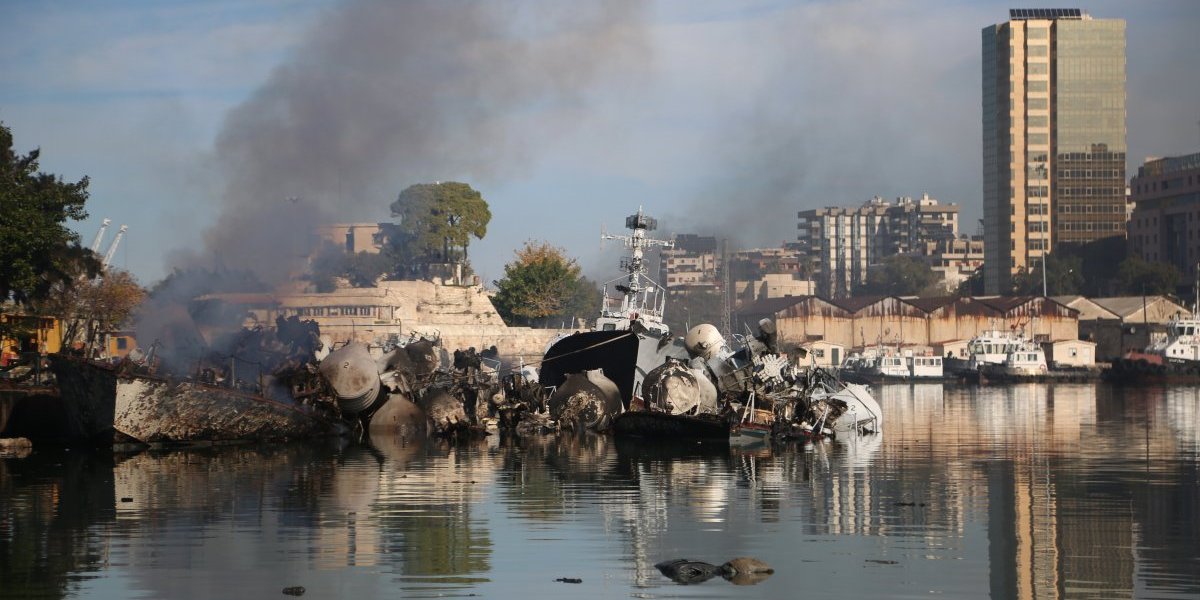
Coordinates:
(635, 301)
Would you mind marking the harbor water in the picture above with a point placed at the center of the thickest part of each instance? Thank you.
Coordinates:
(1021, 491)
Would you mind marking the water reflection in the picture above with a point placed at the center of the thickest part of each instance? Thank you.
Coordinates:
(1028, 491)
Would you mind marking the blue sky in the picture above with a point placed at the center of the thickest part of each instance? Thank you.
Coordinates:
(719, 117)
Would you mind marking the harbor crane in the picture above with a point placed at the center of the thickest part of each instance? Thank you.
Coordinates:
(112, 248)
(100, 236)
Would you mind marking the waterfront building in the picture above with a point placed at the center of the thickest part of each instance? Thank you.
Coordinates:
(355, 237)
(1165, 224)
(773, 285)
(691, 264)
(847, 241)
(760, 273)
(953, 261)
(1053, 136)
(918, 323)
(29, 333)
(1122, 324)
(461, 316)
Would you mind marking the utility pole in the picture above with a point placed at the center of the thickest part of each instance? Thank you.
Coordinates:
(726, 325)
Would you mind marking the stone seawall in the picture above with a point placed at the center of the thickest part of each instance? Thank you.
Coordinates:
(514, 343)
(461, 316)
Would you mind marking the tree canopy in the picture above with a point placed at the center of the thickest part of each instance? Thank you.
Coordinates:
(900, 275)
(689, 308)
(37, 250)
(1064, 276)
(361, 270)
(92, 307)
(437, 222)
(1136, 276)
(541, 286)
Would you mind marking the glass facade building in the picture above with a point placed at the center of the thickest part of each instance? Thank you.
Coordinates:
(1053, 136)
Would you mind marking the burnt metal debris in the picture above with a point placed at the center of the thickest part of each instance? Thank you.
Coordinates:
(204, 380)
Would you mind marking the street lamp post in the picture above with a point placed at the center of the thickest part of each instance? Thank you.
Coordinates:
(1044, 274)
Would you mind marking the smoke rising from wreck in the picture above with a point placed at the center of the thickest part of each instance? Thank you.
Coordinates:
(381, 95)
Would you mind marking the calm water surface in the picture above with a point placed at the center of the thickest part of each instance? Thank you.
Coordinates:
(1031, 491)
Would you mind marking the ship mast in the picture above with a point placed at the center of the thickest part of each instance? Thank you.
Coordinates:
(635, 301)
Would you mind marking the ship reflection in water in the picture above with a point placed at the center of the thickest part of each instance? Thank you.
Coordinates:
(1024, 491)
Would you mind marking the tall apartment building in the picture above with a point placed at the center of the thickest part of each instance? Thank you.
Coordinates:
(692, 264)
(1053, 136)
(847, 241)
(1165, 225)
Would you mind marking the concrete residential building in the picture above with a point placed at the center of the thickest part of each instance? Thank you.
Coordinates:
(691, 264)
(1165, 225)
(355, 237)
(847, 241)
(953, 261)
(1053, 136)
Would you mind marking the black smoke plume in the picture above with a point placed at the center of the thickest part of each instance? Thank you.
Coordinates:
(381, 95)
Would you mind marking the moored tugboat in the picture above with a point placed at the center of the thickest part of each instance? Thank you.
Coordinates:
(1174, 359)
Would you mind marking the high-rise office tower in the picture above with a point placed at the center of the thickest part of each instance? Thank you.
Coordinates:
(1053, 136)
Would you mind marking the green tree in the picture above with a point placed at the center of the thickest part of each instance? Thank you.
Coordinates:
(541, 286)
(1063, 277)
(38, 253)
(437, 222)
(1136, 276)
(1099, 259)
(690, 308)
(361, 270)
(901, 275)
(971, 286)
(90, 308)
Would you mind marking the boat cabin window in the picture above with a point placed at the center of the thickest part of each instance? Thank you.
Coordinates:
(610, 326)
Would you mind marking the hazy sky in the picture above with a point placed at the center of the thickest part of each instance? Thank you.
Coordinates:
(195, 120)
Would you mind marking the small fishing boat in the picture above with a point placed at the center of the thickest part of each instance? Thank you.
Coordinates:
(753, 428)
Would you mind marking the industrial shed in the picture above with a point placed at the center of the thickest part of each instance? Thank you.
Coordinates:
(1070, 353)
(892, 320)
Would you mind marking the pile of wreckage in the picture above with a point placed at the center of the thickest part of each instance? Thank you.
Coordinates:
(272, 385)
(203, 380)
(711, 391)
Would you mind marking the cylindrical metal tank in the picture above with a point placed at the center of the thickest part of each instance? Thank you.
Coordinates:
(680, 389)
(704, 341)
(352, 373)
(586, 400)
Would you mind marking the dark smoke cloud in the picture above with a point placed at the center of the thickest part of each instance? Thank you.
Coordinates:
(382, 95)
(836, 103)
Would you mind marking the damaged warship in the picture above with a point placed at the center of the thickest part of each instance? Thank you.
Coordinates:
(628, 375)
